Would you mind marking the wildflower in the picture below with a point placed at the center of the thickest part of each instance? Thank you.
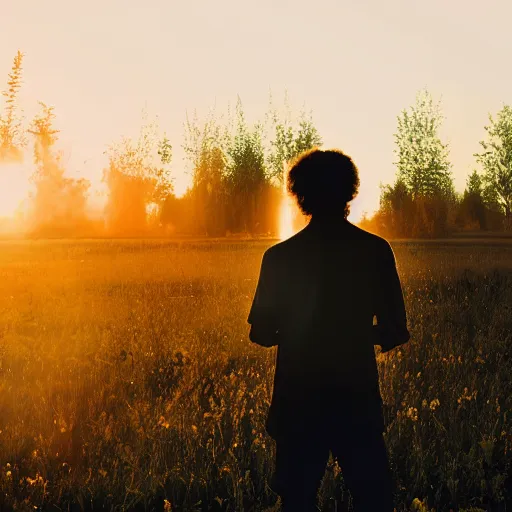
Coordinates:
(434, 404)
(412, 413)
(466, 396)
(163, 423)
(419, 505)
(32, 481)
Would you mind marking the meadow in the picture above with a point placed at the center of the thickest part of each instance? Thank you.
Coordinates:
(127, 380)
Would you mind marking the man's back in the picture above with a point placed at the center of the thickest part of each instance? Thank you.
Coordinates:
(321, 290)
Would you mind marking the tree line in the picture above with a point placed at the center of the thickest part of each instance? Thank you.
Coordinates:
(422, 201)
(237, 170)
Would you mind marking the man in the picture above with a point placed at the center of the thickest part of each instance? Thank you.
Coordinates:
(316, 300)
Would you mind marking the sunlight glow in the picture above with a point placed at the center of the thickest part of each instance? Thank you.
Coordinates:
(182, 182)
(286, 229)
(15, 188)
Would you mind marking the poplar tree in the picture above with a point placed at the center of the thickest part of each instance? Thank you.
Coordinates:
(423, 164)
(12, 135)
(289, 138)
(496, 161)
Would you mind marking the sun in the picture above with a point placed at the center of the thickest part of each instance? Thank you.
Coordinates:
(15, 188)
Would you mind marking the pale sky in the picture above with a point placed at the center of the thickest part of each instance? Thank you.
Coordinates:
(356, 64)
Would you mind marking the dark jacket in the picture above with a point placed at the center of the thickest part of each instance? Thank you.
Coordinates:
(316, 299)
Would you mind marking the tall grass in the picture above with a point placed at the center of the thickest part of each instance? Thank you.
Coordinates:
(127, 380)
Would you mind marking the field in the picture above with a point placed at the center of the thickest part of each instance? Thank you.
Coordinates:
(127, 380)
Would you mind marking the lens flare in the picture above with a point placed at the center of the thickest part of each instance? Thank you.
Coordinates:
(286, 215)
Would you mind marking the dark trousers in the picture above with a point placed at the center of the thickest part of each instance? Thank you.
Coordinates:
(361, 454)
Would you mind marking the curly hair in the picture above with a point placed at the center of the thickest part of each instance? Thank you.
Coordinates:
(323, 182)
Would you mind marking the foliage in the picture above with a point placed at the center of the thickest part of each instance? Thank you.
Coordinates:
(396, 204)
(496, 160)
(289, 138)
(231, 186)
(423, 163)
(163, 179)
(246, 177)
(472, 208)
(45, 137)
(205, 147)
(404, 216)
(422, 200)
(138, 178)
(12, 135)
(59, 203)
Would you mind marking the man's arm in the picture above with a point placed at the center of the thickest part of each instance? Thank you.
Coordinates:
(263, 315)
(391, 329)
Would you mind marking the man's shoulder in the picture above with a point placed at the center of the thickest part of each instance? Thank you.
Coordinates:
(285, 247)
(376, 242)
(276, 251)
(301, 242)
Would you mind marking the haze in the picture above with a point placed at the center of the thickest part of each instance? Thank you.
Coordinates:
(354, 64)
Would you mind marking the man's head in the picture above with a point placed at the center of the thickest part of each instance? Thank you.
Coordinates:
(323, 183)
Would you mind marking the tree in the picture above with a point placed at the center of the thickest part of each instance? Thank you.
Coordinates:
(496, 160)
(289, 138)
(138, 178)
(307, 135)
(235, 175)
(474, 184)
(423, 163)
(45, 137)
(12, 136)
(206, 146)
(59, 203)
(423, 196)
(246, 174)
(282, 142)
(396, 208)
(472, 206)
(163, 179)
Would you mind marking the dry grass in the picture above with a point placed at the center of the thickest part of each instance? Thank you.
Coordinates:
(127, 380)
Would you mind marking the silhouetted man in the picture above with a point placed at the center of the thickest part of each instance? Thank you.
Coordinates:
(317, 296)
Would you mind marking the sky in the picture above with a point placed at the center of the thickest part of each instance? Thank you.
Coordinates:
(355, 64)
